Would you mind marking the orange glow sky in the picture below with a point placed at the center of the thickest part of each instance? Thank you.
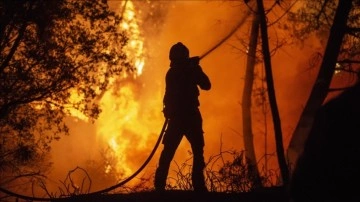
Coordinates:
(132, 112)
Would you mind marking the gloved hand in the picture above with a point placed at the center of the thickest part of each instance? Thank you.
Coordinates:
(195, 60)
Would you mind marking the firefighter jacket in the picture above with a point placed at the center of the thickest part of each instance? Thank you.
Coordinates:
(181, 92)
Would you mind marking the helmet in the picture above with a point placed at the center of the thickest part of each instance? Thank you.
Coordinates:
(178, 52)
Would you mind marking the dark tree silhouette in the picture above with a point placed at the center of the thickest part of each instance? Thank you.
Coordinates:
(271, 93)
(247, 98)
(55, 56)
(340, 49)
(328, 169)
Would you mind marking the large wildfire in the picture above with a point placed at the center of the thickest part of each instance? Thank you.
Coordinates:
(131, 119)
(120, 126)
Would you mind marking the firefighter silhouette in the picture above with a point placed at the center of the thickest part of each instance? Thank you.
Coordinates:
(181, 108)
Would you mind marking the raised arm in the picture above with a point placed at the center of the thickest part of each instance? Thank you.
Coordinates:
(202, 79)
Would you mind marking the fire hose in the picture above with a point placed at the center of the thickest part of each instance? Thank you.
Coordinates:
(106, 190)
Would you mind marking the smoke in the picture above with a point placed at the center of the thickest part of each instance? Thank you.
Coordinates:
(200, 25)
(132, 117)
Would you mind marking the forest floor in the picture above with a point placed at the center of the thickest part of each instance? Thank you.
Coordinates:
(276, 194)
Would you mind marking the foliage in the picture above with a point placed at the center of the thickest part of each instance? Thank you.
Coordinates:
(317, 17)
(234, 175)
(312, 16)
(56, 57)
(228, 171)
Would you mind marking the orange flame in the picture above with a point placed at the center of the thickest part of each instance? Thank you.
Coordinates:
(120, 125)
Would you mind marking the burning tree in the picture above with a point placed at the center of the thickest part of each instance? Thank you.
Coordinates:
(56, 57)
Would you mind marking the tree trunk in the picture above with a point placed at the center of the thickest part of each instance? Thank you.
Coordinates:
(322, 83)
(272, 98)
(246, 101)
